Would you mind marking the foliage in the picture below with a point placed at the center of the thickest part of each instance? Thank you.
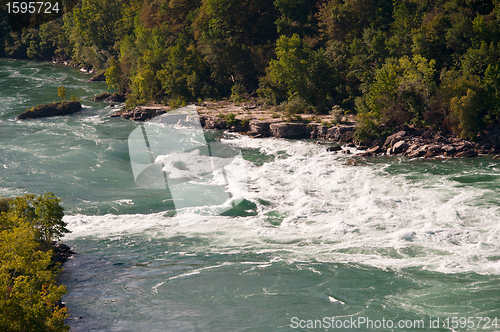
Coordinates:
(293, 107)
(337, 113)
(30, 300)
(300, 73)
(61, 92)
(464, 112)
(43, 213)
(400, 93)
(465, 102)
(238, 93)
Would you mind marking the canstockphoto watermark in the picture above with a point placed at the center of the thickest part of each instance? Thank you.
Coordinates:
(171, 152)
(355, 323)
(365, 323)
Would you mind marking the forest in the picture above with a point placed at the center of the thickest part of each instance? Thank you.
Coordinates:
(393, 63)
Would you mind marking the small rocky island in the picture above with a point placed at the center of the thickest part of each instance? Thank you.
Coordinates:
(42, 111)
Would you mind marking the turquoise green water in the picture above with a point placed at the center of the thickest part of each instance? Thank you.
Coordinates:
(324, 237)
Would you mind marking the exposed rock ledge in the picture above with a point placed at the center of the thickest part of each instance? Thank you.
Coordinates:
(42, 111)
(256, 122)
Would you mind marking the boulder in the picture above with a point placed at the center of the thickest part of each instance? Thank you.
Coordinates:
(333, 148)
(102, 96)
(391, 140)
(467, 153)
(432, 150)
(412, 149)
(463, 146)
(259, 127)
(417, 153)
(62, 252)
(400, 147)
(448, 150)
(375, 149)
(288, 130)
(340, 133)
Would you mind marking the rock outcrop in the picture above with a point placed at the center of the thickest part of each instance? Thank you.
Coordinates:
(97, 78)
(62, 252)
(116, 98)
(43, 111)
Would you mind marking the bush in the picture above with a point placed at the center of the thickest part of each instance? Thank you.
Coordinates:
(337, 113)
(238, 93)
(295, 105)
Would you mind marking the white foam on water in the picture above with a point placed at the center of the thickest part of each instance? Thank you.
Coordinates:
(320, 207)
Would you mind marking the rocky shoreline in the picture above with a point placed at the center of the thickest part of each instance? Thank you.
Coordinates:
(422, 143)
(257, 122)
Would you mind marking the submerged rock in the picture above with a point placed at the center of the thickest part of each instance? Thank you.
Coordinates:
(43, 111)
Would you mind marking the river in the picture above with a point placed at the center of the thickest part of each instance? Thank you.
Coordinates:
(324, 240)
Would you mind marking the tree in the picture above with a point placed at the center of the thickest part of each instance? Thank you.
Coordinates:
(401, 93)
(61, 92)
(30, 296)
(185, 76)
(43, 213)
(114, 77)
(290, 67)
(464, 111)
(465, 100)
(346, 20)
(304, 74)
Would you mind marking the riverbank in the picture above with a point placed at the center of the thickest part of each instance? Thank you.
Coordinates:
(256, 121)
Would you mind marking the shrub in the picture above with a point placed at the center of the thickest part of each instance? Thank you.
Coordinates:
(294, 106)
(231, 119)
(337, 113)
(238, 93)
